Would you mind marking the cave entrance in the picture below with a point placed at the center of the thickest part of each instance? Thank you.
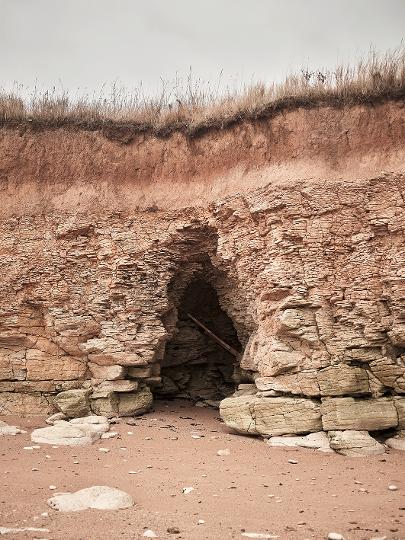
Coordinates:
(202, 355)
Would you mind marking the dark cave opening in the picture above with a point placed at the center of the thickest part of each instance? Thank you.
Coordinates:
(195, 365)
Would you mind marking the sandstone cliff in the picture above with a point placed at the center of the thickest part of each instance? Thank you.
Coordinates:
(296, 222)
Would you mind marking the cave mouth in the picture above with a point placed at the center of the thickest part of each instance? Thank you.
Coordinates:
(196, 365)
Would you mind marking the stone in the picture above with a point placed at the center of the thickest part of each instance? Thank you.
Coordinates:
(73, 403)
(18, 530)
(342, 380)
(65, 434)
(5, 429)
(237, 413)
(106, 388)
(150, 534)
(318, 440)
(271, 416)
(120, 358)
(107, 373)
(397, 442)
(258, 535)
(358, 414)
(279, 416)
(96, 497)
(140, 372)
(107, 406)
(399, 403)
(135, 403)
(303, 383)
(354, 443)
(335, 536)
(55, 417)
(97, 424)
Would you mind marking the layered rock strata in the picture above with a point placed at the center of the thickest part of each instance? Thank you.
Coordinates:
(310, 274)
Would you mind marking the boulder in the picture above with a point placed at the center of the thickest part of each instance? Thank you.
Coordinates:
(237, 413)
(97, 497)
(135, 403)
(358, 414)
(397, 442)
(319, 441)
(354, 443)
(271, 416)
(73, 403)
(65, 434)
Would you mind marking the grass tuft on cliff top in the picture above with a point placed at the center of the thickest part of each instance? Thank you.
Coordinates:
(193, 108)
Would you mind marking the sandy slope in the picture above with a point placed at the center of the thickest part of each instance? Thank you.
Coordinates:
(253, 489)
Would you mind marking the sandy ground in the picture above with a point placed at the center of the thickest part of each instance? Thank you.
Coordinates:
(254, 489)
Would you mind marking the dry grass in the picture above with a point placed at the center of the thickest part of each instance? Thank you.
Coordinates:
(194, 107)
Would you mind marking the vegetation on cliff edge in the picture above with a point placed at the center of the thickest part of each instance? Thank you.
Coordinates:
(193, 107)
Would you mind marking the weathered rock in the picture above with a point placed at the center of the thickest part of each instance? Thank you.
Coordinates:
(96, 497)
(278, 416)
(400, 407)
(120, 358)
(44, 366)
(5, 429)
(106, 388)
(97, 424)
(135, 403)
(140, 372)
(397, 441)
(237, 413)
(73, 403)
(296, 265)
(354, 443)
(107, 373)
(55, 417)
(319, 441)
(24, 403)
(342, 380)
(271, 416)
(107, 406)
(65, 434)
(303, 383)
(358, 414)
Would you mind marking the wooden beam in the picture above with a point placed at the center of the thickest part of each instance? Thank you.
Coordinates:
(216, 338)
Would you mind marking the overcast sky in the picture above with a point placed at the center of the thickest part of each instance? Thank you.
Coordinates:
(87, 43)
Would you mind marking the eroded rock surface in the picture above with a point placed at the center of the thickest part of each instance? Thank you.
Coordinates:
(354, 443)
(309, 274)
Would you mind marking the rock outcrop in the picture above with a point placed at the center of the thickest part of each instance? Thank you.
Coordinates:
(308, 273)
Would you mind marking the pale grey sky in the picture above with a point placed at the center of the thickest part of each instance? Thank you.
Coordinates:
(87, 43)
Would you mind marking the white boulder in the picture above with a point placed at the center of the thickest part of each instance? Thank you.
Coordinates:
(97, 497)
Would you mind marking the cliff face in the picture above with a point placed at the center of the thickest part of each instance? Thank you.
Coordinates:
(310, 270)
